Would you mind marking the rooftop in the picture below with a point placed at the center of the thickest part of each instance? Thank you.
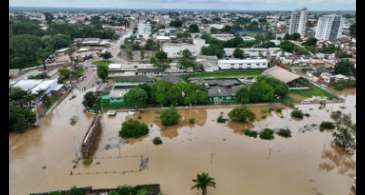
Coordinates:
(280, 74)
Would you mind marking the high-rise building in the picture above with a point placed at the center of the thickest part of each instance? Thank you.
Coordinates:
(329, 27)
(298, 20)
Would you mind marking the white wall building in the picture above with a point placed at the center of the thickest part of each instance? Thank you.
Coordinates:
(242, 64)
(35, 86)
(329, 27)
(298, 20)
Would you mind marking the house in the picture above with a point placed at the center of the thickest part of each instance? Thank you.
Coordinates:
(242, 64)
(293, 81)
(221, 90)
(149, 70)
(115, 67)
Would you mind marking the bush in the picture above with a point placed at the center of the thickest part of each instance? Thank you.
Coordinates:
(326, 125)
(279, 110)
(251, 133)
(343, 84)
(169, 117)
(157, 141)
(133, 128)
(284, 132)
(241, 114)
(191, 120)
(76, 191)
(267, 134)
(220, 119)
(297, 114)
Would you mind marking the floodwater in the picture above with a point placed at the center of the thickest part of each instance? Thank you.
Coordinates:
(42, 159)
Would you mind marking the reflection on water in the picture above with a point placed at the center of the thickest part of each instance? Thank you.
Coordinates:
(304, 164)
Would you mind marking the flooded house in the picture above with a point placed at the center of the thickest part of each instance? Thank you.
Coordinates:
(222, 90)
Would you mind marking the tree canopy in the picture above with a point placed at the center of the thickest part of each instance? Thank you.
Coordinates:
(169, 117)
(136, 97)
(21, 115)
(345, 67)
(241, 114)
(102, 71)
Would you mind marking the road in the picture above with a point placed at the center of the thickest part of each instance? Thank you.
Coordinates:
(90, 77)
(115, 46)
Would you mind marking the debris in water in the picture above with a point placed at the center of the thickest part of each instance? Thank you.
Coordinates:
(73, 120)
(107, 147)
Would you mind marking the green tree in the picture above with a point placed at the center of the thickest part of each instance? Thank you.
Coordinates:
(25, 51)
(345, 133)
(150, 45)
(193, 28)
(159, 89)
(353, 30)
(129, 53)
(213, 50)
(64, 74)
(136, 97)
(241, 114)
(49, 17)
(261, 92)
(60, 41)
(76, 191)
(21, 97)
(202, 181)
(238, 53)
(148, 89)
(20, 118)
(169, 117)
(243, 95)
(106, 55)
(160, 59)
(90, 100)
(345, 67)
(187, 60)
(142, 53)
(176, 23)
(25, 27)
(133, 128)
(102, 71)
(310, 42)
(280, 88)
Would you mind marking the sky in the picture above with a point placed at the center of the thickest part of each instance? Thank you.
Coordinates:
(193, 4)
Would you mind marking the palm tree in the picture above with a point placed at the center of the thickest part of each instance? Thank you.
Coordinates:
(203, 181)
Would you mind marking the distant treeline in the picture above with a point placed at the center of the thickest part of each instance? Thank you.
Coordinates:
(29, 45)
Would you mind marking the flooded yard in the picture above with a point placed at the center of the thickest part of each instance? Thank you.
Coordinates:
(42, 159)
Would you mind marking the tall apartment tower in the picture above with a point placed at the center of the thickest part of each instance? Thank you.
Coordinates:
(298, 20)
(329, 27)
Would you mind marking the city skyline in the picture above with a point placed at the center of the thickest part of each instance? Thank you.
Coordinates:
(315, 5)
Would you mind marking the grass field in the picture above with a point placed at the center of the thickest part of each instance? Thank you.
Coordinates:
(230, 73)
(102, 62)
(313, 91)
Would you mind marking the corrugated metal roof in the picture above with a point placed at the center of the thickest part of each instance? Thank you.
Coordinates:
(281, 74)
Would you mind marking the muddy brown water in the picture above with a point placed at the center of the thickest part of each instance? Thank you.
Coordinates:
(41, 159)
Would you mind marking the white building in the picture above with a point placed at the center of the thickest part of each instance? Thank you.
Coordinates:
(329, 27)
(35, 86)
(242, 64)
(298, 20)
